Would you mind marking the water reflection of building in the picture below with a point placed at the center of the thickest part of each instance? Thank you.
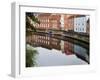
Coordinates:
(66, 47)
(44, 41)
(51, 43)
(81, 53)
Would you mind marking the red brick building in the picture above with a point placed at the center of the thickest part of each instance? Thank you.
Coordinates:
(55, 22)
(71, 22)
(44, 19)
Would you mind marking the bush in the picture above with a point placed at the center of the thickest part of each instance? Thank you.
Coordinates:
(30, 56)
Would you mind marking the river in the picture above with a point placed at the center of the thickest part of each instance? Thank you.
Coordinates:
(58, 52)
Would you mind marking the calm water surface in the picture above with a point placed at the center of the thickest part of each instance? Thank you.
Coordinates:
(58, 52)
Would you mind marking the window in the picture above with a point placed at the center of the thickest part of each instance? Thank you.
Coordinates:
(80, 29)
(83, 29)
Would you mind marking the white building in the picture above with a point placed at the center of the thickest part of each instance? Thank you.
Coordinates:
(80, 23)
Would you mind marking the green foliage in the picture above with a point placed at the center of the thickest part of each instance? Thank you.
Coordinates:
(30, 57)
(29, 27)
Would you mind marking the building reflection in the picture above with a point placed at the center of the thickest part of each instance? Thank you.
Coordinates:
(81, 53)
(43, 41)
(50, 43)
(66, 47)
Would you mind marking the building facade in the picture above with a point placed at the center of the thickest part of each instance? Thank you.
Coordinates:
(44, 19)
(80, 23)
(70, 23)
(55, 21)
(66, 22)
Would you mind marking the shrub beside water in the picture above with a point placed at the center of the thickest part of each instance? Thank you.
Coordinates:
(30, 56)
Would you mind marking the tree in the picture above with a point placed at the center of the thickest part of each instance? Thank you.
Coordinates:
(29, 26)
